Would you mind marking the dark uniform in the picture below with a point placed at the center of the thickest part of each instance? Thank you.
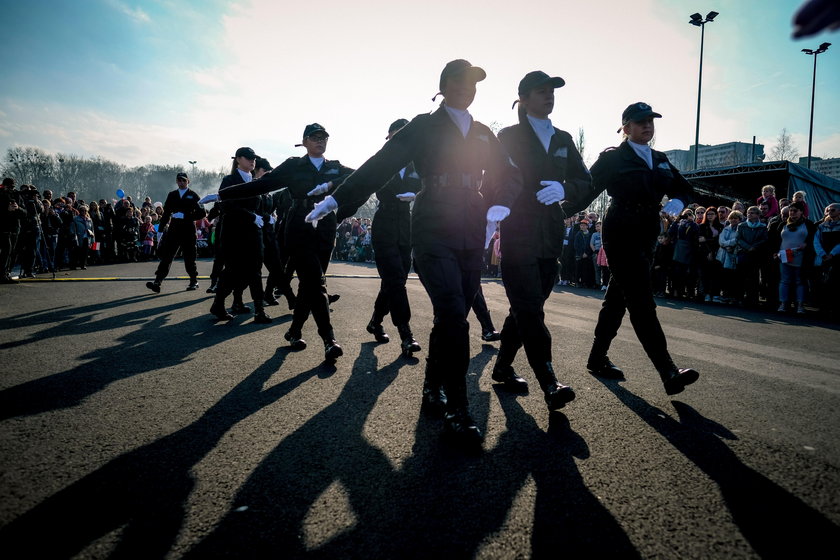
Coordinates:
(629, 231)
(391, 241)
(240, 245)
(179, 233)
(310, 248)
(282, 278)
(461, 177)
(531, 242)
(10, 221)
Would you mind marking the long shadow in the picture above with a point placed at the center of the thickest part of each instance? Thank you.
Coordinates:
(107, 365)
(776, 523)
(328, 448)
(142, 492)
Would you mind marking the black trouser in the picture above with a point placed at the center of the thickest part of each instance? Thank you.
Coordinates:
(393, 264)
(527, 286)
(171, 241)
(79, 254)
(8, 241)
(451, 277)
(479, 307)
(630, 290)
(311, 268)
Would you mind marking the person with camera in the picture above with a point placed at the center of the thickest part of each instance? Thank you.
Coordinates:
(11, 216)
(29, 238)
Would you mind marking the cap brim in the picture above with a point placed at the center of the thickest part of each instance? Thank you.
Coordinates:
(475, 72)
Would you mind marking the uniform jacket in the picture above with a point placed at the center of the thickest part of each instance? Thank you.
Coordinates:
(299, 176)
(392, 220)
(461, 178)
(636, 192)
(533, 229)
(188, 205)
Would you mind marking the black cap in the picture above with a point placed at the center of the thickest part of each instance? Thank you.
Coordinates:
(313, 128)
(262, 163)
(246, 152)
(181, 175)
(458, 67)
(538, 78)
(395, 127)
(636, 112)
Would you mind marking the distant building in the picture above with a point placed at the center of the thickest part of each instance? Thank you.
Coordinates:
(830, 166)
(718, 155)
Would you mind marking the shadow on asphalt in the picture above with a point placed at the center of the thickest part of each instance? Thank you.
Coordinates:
(776, 523)
(142, 493)
(439, 504)
(104, 366)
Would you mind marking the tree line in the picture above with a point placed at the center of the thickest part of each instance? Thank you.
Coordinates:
(96, 178)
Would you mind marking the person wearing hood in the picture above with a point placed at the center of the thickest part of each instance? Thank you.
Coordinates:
(532, 237)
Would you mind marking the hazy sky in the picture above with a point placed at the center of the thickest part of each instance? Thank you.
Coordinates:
(169, 81)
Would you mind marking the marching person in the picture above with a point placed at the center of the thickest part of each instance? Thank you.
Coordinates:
(391, 240)
(240, 244)
(532, 238)
(636, 178)
(468, 186)
(308, 179)
(180, 210)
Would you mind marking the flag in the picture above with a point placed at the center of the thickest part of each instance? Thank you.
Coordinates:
(786, 255)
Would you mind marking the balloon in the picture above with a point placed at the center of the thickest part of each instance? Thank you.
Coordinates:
(120, 193)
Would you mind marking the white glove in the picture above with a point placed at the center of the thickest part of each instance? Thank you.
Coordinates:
(553, 192)
(322, 209)
(320, 189)
(673, 207)
(258, 220)
(497, 213)
(178, 215)
(209, 198)
(406, 197)
(272, 220)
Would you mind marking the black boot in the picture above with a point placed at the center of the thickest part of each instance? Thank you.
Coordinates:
(459, 424)
(260, 316)
(599, 363)
(377, 331)
(295, 340)
(332, 350)
(239, 308)
(505, 374)
(434, 397)
(556, 394)
(408, 345)
(219, 311)
(675, 379)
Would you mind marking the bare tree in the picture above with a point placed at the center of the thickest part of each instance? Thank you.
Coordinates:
(785, 149)
(580, 144)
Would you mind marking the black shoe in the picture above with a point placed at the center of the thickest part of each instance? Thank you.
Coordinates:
(434, 398)
(239, 308)
(603, 367)
(409, 346)
(460, 425)
(212, 289)
(262, 318)
(676, 379)
(332, 350)
(507, 376)
(557, 395)
(154, 286)
(271, 300)
(333, 297)
(491, 336)
(295, 342)
(193, 285)
(378, 332)
(220, 313)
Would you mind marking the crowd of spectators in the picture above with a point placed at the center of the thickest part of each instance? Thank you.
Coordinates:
(769, 254)
(42, 234)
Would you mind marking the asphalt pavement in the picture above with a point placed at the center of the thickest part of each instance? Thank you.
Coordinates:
(132, 425)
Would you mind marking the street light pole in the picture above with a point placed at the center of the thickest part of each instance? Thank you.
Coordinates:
(193, 167)
(822, 48)
(697, 20)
